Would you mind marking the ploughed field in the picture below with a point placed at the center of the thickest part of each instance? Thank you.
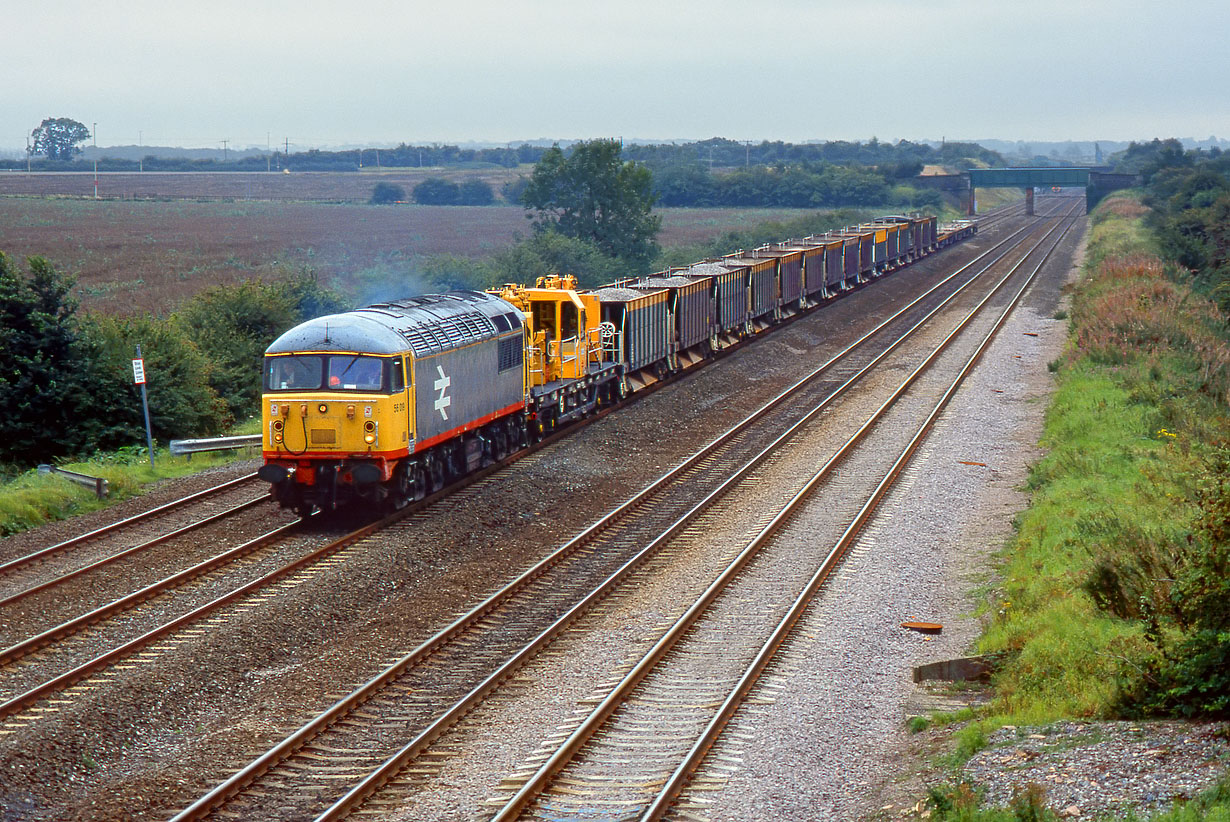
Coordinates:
(139, 255)
(325, 186)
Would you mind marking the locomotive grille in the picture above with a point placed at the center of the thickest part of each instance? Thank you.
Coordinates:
(510, 353)
(323, 436)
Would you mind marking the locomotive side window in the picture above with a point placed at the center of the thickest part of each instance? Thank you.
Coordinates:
(398, 376)
(354, 372)
(292, 373)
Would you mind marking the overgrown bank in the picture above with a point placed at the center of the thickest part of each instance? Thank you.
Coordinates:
(1115, 599)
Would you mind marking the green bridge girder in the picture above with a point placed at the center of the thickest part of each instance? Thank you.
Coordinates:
(1028, 177)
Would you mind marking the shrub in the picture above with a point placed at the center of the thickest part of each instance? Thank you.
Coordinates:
(385, 193)
(475, 192)
(46, 382)
(549, 252)
(182, 401)
(436, 191)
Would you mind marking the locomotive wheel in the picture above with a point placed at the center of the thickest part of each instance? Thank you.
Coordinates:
(420, 482)
(401, 488)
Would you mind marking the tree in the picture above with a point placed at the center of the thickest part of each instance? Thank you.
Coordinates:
(475, 192)
(592, 194)
(182, 401)
(385, 193)
(44, 379)
(58, 138)
(436, 191)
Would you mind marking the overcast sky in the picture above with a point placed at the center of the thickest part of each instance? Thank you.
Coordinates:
(323, 73)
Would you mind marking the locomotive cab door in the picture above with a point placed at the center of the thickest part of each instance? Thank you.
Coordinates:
(406, 366)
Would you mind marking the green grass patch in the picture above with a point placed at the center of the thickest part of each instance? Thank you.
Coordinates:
(31, 499)
(1087, 616)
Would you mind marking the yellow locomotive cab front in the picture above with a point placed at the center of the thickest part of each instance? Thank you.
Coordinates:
(341, 414)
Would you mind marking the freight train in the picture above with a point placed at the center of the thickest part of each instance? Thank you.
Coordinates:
(391, 402)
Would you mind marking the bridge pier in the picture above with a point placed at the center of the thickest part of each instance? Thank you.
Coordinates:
(972, 206)
(1029, 201)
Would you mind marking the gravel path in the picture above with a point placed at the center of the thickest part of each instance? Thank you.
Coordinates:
(1103, 767)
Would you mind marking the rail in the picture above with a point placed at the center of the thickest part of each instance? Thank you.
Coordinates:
(198, 446)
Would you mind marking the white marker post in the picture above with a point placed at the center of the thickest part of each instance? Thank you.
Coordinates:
(138, 377)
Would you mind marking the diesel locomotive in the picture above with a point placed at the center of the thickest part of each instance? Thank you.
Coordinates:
(390, 402)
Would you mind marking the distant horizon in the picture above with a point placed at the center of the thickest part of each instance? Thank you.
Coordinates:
(275, 146)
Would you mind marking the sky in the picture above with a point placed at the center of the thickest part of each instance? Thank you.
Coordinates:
(323, 74)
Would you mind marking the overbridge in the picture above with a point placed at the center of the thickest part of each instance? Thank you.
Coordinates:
(1096, 183)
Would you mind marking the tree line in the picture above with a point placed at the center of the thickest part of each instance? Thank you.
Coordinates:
(56, 142)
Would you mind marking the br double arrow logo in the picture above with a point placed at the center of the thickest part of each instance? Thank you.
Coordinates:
(443, 400)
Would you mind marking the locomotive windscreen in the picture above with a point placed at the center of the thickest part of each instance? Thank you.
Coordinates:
(337, 372)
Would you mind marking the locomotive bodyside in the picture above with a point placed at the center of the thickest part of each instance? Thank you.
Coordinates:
(389, 401)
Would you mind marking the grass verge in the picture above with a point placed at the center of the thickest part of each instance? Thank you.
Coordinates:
(31, 499)
(1115, 592)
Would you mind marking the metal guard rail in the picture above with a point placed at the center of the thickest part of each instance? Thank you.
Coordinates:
(190, 447)
(102, 487)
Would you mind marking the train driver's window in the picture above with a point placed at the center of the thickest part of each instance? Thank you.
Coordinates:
(356, 373)
(292, 373)
(398, 382)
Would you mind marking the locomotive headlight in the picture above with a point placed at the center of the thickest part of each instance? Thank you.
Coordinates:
(370, 439)
(322, 408)
(277, 437)
(278, 425)
(369, 432)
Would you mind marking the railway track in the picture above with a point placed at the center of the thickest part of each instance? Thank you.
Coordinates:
(53, 656)
(132, 534)
(634, 753)
(390, 720)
